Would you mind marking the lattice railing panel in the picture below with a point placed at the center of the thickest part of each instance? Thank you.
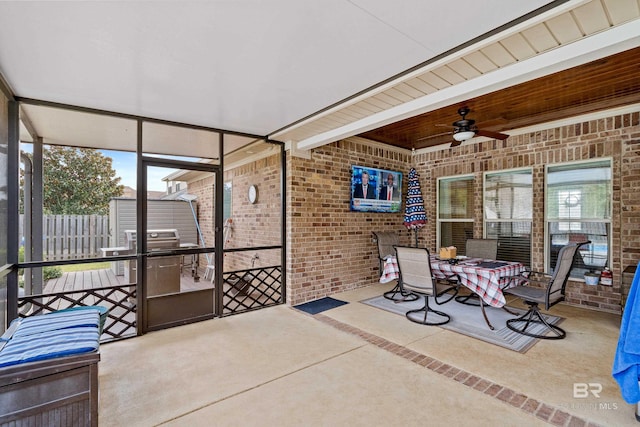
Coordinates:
(251, 289)
(120, 300)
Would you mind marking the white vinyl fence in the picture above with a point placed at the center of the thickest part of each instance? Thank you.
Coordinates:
(73, 236)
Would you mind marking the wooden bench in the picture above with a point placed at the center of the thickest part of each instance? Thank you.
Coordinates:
(49, 369)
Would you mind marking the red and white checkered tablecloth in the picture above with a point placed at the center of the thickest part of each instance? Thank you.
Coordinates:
(390, 272)
(486, 282)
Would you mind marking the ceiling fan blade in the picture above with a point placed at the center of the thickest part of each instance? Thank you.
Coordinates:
(455, 143)
(490, 134)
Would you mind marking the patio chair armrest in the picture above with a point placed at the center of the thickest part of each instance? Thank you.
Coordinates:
(523, 278)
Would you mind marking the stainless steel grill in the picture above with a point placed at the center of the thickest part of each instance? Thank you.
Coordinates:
(156, 239)
(163, 273)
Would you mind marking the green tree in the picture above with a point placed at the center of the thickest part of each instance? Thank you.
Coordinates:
(78, 181)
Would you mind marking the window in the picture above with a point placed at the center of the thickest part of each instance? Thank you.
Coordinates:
(508, 213)
(569, 207)
(455, 211)
(578, 208)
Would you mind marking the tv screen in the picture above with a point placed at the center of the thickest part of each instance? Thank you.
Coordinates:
(375, 190)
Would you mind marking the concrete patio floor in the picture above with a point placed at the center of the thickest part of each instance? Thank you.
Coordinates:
(357, 365)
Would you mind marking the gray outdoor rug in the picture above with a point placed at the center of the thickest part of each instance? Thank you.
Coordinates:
(468, 320)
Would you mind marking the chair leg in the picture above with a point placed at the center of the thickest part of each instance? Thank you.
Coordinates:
(426, 310)
(398, 295)
(534, 316)
(508, 310)
(471, 299)
(451, 294)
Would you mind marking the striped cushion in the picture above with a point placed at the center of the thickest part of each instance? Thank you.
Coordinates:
(104, 312)
(57, 320)
(49, 344)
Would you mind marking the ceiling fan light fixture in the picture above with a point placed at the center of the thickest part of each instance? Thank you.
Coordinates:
(463, 135)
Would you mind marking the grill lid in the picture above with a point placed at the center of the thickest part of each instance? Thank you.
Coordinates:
(156, 239)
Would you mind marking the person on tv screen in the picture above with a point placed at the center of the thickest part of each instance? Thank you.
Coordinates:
(364, 190)
(388, 191)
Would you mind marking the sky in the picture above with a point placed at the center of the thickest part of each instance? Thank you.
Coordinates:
(125, 166)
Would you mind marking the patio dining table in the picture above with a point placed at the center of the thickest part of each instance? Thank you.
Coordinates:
(486, 278)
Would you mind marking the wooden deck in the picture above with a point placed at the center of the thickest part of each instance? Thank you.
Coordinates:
(80, 280)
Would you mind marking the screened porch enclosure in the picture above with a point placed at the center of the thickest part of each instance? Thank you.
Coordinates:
(183, 188)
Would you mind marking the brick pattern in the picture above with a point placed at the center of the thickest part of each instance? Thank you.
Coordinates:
(552, 415)
(254, 225)
(616, 138)
(331, 249)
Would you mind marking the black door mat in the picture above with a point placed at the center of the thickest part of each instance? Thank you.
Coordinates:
(320, 305)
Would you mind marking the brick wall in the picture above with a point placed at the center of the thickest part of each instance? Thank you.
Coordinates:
(331, 250)
(254, 225)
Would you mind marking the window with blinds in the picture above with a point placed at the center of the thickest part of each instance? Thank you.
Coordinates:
(578, 208)
(455, 211)
(508, 213)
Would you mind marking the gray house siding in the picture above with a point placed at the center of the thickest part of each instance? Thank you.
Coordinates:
(161, 214)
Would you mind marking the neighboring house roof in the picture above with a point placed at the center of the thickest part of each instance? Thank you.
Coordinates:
(174, 196)
(130, 193)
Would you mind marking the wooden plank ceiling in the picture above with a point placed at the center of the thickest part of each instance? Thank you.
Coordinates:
(602, 84)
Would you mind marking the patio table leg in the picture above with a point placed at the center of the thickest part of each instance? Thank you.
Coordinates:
(484, 313)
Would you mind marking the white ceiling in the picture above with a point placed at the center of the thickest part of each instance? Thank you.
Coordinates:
(248, 66)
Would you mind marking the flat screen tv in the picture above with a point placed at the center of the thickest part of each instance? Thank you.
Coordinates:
(375, 190)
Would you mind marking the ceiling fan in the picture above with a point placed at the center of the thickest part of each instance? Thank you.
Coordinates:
(465, 129)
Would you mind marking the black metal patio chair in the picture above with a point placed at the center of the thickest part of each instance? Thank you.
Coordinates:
(551, 294)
